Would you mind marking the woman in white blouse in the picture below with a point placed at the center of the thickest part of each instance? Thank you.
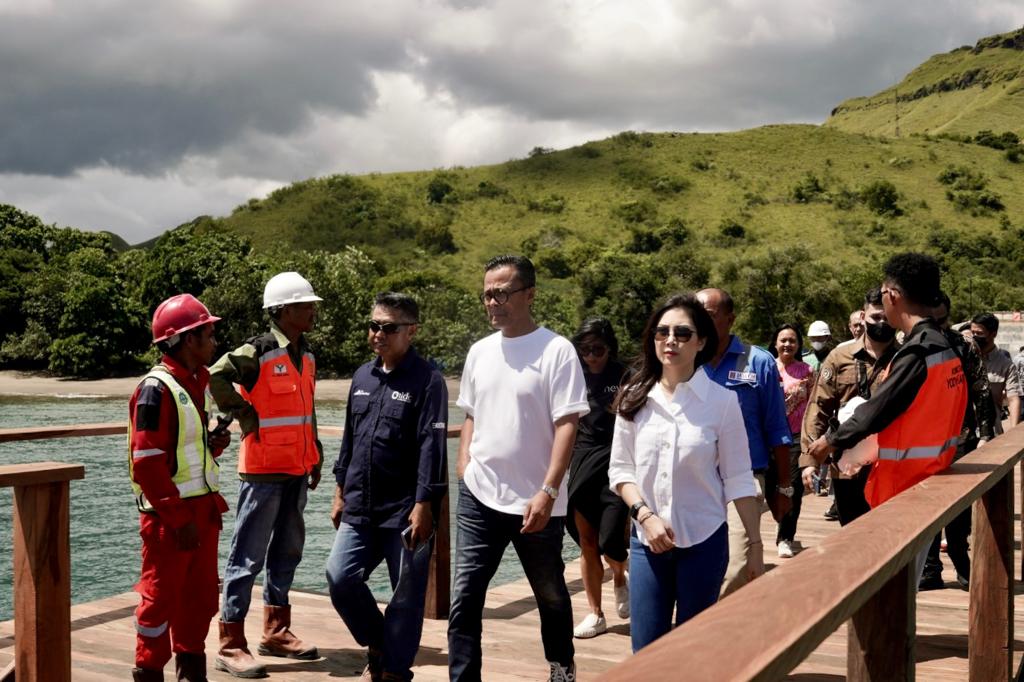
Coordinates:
(679, 454)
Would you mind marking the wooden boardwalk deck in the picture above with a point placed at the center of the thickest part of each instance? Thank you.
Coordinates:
(103, 633)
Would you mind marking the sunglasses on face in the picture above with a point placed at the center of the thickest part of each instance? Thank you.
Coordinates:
(597, 350)
(681, 332)
(499, 296)
(386, 327)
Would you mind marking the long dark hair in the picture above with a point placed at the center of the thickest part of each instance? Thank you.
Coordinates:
(602, 329)
(799, 340)
(647, 369)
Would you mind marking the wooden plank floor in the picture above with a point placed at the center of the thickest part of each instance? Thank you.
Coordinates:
(103, 634)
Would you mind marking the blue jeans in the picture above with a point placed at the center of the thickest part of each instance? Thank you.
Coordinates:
(686, 579)
(483, 534)
(357, 551)
(269, 528)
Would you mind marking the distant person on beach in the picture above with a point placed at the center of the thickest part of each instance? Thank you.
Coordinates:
(679, 455)
(391, 473)
(174, 473)
(279, 459)
(523, 393)
(797, 380)
(918, 409)
(598, 519)
(750, 372)
(850, 371)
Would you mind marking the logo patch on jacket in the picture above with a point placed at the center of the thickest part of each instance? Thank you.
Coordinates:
(401, 397)
(745, 377)
(280, 368)
(182, 398)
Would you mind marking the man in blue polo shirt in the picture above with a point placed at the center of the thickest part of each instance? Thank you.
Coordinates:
(392, 473)
(751, 373)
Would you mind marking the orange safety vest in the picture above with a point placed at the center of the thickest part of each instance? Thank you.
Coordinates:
(922, 440)
(283, 398)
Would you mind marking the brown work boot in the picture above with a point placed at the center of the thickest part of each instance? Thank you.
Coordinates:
(147, 675)
(234, 656)
(374, 667)
(278, 640)
(190, 667)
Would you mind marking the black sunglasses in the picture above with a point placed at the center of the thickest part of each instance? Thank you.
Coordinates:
(499, 296)
(386, 327)
(597, 350)
(681, 332)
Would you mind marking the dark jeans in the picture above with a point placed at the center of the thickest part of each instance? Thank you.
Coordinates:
(787, 526)
(482, 536)
(850, 501)
(357, 551)
(957, 533)
(685, 580)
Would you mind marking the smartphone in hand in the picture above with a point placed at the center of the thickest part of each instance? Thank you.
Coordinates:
(407, 539)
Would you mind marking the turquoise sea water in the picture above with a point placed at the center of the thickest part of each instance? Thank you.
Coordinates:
(104, 523)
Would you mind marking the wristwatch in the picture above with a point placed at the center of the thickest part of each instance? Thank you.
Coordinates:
(552, 492)
(634, 511)
(787, 491)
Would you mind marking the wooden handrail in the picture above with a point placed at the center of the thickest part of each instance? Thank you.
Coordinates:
(42, 568)
(438, 586)
(863, 572)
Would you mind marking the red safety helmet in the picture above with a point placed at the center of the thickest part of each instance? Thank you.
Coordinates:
(179, 314)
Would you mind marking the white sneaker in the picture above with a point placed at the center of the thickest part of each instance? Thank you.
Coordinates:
(591, 626)
(785, 549)
(622, 600)
(560, 673)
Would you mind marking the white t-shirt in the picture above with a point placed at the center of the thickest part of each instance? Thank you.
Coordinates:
(515, 389)
(688, 454)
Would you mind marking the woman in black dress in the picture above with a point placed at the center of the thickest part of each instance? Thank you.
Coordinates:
(598, 518)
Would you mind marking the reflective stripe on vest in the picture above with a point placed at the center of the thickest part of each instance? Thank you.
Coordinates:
(283, 399)
(197, 471)
(923, 440)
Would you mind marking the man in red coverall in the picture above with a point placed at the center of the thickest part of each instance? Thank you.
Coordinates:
(173, 469)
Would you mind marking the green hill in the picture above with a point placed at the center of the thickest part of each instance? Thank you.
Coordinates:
(959, 92)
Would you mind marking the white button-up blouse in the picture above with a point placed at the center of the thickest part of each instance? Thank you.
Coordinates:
(688, 455)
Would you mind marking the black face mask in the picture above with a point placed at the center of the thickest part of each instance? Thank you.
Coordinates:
(881, 332)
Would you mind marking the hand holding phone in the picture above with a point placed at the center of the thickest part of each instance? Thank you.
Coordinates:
(407, 540)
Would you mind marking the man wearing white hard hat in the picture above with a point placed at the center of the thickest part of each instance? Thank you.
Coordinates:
(820, 339)
(279, 459)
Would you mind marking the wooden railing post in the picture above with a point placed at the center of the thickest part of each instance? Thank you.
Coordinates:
(880, 636)
(990, 614)
(439, 583)
(42, 568)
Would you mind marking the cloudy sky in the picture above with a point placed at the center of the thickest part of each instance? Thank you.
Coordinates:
(137, 116)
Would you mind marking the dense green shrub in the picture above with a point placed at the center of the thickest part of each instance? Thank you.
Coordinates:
(553, 203)
(636, 211)
(881, 197)
(808, 189)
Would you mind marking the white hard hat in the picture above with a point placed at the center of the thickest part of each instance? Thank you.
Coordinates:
(818, 328)
(288, 287)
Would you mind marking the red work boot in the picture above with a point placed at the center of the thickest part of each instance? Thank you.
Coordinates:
(234, 656)
(278, 640)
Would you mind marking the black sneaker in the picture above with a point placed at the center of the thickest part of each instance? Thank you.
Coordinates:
(930, 582)
(832, 514)
(964, 583)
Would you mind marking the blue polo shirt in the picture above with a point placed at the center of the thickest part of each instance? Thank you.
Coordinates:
(751, 373)
(394, 452)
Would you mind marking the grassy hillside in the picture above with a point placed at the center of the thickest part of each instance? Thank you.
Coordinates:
(960, 92)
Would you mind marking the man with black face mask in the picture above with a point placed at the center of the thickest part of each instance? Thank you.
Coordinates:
(1002, 374)
(851, 370)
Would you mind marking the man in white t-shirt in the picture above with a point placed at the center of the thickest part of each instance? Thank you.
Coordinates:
(523, 393)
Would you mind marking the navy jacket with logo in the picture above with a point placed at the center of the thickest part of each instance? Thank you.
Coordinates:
(394, 451)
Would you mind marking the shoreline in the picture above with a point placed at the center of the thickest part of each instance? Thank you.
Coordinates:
(14, 383)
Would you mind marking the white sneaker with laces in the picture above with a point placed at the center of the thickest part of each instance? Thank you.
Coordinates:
(622, 600)
(591, 626)
(560, 673)
(785, 549)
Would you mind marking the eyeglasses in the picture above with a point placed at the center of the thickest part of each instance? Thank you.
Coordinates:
(681, 332)
(386, 327)
(499, 296)
(597, 350)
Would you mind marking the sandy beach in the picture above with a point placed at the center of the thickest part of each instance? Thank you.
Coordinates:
(13, 383)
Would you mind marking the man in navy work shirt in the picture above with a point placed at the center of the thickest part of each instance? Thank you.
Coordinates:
(751, 373)
(392, 474)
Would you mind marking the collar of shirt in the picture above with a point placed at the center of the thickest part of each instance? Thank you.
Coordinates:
(195, 383)
(696, 386)
(403, 366)
(282, 340)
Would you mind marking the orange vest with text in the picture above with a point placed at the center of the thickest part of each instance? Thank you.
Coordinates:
(922, 440)
(283, 398)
